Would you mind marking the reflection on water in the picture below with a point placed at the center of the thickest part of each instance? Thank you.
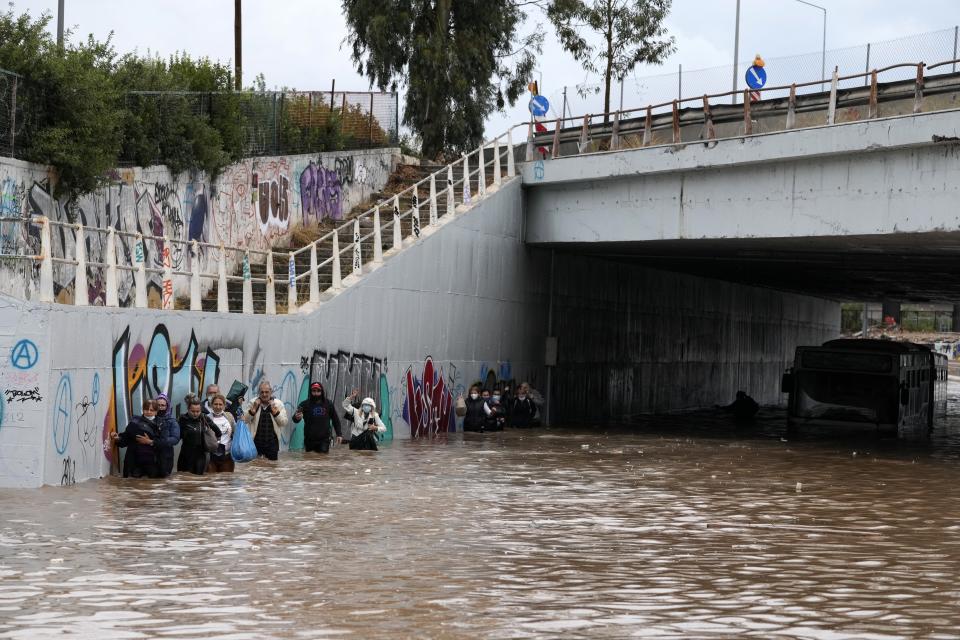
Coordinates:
(678, 527)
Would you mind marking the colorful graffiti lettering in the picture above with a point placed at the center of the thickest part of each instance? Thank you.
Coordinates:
(140, 373)
(428, 406)
(320, 194)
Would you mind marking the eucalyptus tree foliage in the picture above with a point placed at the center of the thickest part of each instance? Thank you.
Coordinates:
(459, 60)
(630, 32)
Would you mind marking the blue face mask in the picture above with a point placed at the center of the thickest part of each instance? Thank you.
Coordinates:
(366, 408)
(496, 398)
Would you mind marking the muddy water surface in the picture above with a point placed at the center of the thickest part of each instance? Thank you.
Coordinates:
(677, 527)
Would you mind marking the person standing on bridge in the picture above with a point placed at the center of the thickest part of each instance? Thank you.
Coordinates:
(268, 417)
(318, 414)
(366, 423)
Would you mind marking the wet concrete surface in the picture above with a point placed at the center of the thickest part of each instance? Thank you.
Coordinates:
(682, 526)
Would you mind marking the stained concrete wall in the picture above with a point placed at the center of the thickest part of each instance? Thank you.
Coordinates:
(633, 340)
(462, 304)
(254, 204)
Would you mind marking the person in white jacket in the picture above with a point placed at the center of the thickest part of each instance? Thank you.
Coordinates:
(267, 417)
(366, 422)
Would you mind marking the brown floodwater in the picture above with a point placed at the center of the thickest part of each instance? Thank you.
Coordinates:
(684, 527)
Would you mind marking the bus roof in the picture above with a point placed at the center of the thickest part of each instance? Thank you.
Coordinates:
(887, 346)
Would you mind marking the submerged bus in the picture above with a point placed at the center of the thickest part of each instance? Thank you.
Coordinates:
(882, 383)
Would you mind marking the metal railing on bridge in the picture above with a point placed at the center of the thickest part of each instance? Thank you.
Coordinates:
(405, 226)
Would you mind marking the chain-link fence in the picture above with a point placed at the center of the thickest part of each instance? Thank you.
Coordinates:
(247, 123)
(262, 123)
(932, 47)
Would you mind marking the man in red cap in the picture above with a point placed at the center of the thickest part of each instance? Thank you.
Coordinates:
(317, 414)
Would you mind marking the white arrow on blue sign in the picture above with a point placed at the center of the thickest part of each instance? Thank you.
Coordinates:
(539, 105)
(756, 77)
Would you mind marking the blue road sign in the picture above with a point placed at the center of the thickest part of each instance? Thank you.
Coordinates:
(756, 77)
(539, 105)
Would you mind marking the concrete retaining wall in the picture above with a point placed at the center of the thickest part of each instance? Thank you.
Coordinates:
(633, 340)
(254, 204)
(462, 304)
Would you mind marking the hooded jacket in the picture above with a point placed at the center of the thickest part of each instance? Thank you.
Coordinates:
(360, 418)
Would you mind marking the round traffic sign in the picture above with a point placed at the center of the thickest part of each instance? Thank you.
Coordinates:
(539, 105)
(756, 77)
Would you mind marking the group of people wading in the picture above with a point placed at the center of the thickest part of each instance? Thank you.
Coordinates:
(206, 431)
(493, 409)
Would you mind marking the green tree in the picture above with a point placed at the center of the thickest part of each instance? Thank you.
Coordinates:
(69, 100)
(457, 60)
(631, 32)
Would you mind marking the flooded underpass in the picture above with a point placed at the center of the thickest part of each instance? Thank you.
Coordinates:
(685, 526)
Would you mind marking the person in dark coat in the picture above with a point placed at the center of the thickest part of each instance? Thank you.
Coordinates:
(193, 456)
(743, 407)
(522, 409)
(169, 432)
(475, 417)
(318, 413)
(497, 416)
(140, 437)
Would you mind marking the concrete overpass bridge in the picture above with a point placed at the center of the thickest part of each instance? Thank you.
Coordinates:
(647, 265)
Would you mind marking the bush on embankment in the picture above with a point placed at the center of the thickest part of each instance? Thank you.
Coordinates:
(84, 109)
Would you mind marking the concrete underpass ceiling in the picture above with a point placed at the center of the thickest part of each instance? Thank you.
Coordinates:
(907, 267)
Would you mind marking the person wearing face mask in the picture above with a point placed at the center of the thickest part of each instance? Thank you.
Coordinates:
(366, 422)
(140, 438)
(193, 455)
(221, 461)
(268, 417)
(522, 408)
(497, 415)
(213, 390)
(476, 416)
(169, 432)
(318, 414)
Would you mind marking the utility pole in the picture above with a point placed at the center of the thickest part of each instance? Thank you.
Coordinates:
(736, 54)
(60, 24)
(237, 46)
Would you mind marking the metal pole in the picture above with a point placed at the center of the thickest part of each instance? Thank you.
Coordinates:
(736, 54)
(679, 82)
(60, 24)
(863, 321)
(866, 78)
(823, 51)
(237, 46)
(564, 102)
(621, 93)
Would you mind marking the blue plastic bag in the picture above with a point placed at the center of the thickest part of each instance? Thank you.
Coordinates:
(243, 449)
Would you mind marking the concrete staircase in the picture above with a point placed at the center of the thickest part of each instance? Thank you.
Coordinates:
(405, 176)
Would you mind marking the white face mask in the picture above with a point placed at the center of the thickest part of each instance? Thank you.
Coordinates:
(150, 418)
(217, 412)
(522, 396)
(366, 408)
(474, 396)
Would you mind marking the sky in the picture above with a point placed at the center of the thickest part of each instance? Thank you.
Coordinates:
(300, 43)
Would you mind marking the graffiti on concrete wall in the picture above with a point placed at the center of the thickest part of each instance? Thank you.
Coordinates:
(252, 204)
(142, 371)
(428, 403)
